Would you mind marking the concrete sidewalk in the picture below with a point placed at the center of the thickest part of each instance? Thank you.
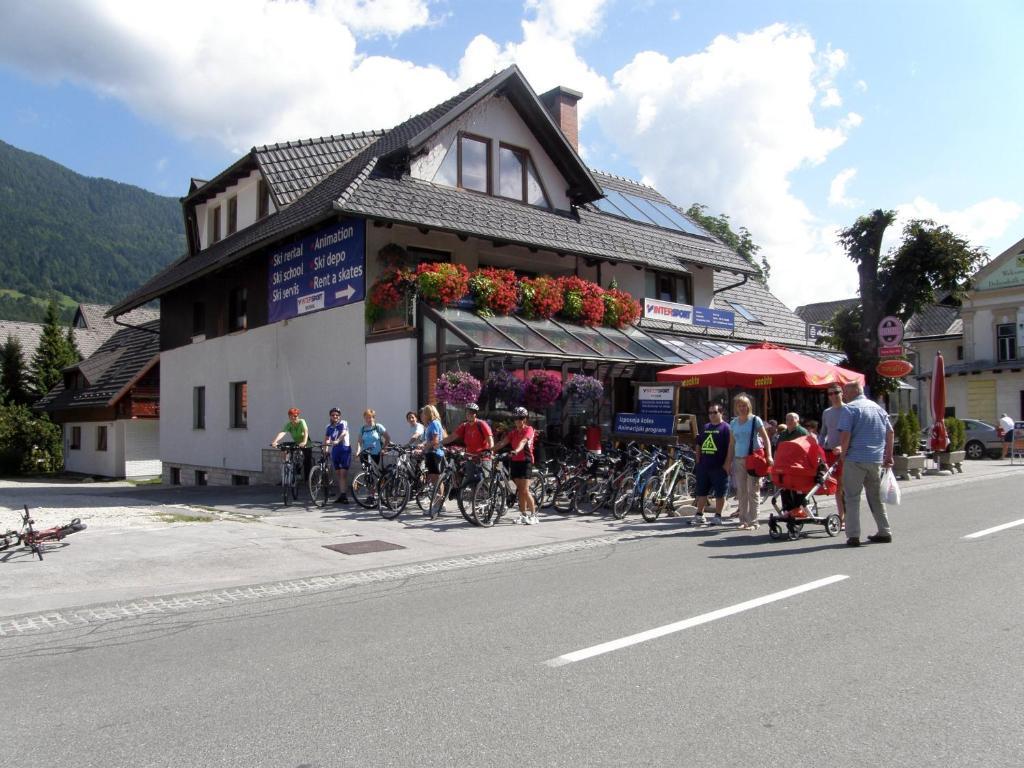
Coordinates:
(143, 541)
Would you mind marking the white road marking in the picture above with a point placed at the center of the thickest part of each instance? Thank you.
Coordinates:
(995, 529)
(704, 618)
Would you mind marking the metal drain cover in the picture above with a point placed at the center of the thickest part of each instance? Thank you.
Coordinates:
(363, 547)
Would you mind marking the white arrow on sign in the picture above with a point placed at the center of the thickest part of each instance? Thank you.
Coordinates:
(345, 293)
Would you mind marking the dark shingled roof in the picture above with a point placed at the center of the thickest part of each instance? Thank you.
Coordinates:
(368, 185)
(293, 168)
(935, 320)
(422, 203)
(118, 362)
(822, 312)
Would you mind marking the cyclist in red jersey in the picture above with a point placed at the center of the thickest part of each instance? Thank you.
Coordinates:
(473, 433)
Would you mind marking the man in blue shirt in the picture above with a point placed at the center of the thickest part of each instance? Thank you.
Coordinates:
(866, 435)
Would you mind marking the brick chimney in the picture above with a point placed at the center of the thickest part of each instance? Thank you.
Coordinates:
(561, 103)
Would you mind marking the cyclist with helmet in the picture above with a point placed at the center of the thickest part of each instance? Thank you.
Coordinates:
(473, 433)
(520, 441)
(336, 436)
(295, 428)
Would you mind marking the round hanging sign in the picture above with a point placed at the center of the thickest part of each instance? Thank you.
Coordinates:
(893, 369)
(890, 331)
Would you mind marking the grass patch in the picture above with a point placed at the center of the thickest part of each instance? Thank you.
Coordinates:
(149, 481)
(179, 517)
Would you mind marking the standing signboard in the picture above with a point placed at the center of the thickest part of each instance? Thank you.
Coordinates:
(649, 424)
(656, 398)
(323, 270)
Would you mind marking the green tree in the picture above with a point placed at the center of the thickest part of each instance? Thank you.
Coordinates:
(28, 443)
(929, 260)
(52, 355)
(742, 241)
(12, 372)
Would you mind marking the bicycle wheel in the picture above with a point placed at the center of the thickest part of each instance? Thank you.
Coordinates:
(286, 481)
(488, 503)
(438, 495)
(469, 504)
(622, 500)
(539, 489)
(591, 495)
(565, 493)
(363, 488)
(9, 539)
(651, 499)
(423, 491)
(394, 494)
(319, 486)
(296, 479)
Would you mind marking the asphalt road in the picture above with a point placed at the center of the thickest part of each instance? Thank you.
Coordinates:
(912, 659)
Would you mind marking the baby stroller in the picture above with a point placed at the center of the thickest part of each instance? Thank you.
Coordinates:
(800, 473)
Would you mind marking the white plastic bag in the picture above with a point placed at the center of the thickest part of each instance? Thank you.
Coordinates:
(890, 488)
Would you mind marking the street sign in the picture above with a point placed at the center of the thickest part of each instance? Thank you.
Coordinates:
(656, 398)
(897, 351)
(890, 331)
(893, 368)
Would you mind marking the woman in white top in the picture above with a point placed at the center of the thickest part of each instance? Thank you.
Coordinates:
(416, 429)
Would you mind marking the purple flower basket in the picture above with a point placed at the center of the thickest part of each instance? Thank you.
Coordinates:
(457, 388)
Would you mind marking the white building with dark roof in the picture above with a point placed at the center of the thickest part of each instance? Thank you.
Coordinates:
(266, 310)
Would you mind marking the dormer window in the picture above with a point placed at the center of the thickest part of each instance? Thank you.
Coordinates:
(517, 178)
(468, 165)
(215, 225)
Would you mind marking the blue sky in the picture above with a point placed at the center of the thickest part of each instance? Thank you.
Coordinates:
(793, 117)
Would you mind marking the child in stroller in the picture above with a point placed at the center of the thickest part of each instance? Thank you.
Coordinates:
(801, 474)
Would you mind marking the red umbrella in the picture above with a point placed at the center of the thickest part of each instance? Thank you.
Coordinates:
(939, 440)
(761, 366)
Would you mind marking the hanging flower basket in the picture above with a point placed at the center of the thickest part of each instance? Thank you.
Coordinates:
(543, 389)
(457, 388)
(505, 386)
(495, 291)
(584, 389)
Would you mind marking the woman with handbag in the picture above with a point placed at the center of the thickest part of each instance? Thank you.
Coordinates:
(748, 460)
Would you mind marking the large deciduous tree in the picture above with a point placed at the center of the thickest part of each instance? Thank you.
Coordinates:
(740, 241)
(929, 261)
(53, 354)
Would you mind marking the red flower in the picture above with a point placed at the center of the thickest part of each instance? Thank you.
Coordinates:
(543, 297)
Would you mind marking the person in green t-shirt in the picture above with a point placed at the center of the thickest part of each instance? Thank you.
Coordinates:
(295, 428)
(793, 429)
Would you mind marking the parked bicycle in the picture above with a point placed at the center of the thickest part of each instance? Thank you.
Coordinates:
(629, 493)
(32, 539)
(291, 470)
(403, 479)
(674, 482)
(323, 481)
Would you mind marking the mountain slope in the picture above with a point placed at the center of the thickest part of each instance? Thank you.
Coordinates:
(91, 239)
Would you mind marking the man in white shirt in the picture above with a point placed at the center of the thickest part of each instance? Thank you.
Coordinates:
(1007, 424)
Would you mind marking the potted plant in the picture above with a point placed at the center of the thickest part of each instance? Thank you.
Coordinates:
(954, 456)
(908, 461)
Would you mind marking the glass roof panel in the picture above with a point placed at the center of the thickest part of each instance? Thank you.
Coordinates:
(684, 223)
(652, 211)
(634, 347)
(622, 202)
(605, 205)
(605, 347)
(683, 348)
(479, 332)
(525, 337)
(666, 352)
(562, 337)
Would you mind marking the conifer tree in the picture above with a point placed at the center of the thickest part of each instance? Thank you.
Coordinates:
(52, 355)
(12, 372)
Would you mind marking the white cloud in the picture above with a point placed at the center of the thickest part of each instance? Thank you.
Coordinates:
(547, 52)
(239, 72)
(982, 224)
(382, 17)
(161, 164)
(728, 126)
(837, 189)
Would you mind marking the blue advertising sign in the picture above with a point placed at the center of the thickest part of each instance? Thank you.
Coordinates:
(656, 424)
(323, 270)
(714, 318)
